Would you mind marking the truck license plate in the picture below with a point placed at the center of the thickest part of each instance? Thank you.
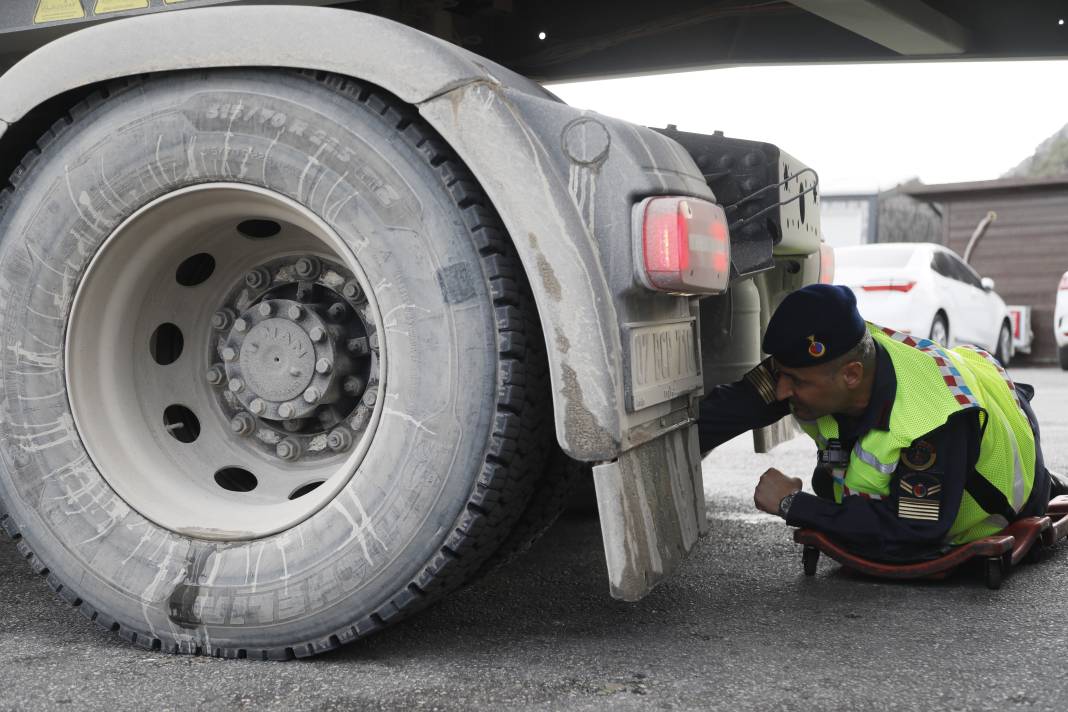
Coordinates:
(664, 362)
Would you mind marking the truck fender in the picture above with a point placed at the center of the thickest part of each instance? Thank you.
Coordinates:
(486, 113)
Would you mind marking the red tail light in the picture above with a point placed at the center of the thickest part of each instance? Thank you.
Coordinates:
(826, 263)
(1064, 282)
(891, 286)
(685, 246)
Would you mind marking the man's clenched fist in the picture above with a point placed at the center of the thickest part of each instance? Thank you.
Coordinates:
(773, 486)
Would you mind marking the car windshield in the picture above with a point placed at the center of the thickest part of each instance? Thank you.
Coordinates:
(864, 257)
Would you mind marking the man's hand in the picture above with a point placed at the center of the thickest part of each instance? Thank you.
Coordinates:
(773, 486)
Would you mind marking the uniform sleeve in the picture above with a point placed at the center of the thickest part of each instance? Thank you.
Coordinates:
(733, 408)
(910, 524)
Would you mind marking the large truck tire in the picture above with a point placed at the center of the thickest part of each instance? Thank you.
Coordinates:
(266, 352)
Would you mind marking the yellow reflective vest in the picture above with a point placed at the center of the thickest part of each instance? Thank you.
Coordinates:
(933, 384)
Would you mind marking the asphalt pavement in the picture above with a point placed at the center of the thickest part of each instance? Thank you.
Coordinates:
(739, 627)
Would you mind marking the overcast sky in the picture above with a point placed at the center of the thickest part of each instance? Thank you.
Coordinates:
(862, 127)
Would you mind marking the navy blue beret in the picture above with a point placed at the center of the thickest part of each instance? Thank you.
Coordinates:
(814, 325)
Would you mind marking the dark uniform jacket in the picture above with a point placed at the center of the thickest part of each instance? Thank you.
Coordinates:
(872, 528)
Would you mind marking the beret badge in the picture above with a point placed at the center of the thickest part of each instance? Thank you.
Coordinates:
(815, 348)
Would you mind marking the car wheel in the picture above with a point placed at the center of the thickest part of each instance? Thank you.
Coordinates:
(1004, 348)
(270, 367)
(940, 330)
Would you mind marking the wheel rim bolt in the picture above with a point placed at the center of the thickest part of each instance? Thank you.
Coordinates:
(243, 424)
(351, 290)
(358, 345)
(265, 309)
(353, 385)
(241, 326)
(339, 439)
(236, 385)
(258, 278)
(323, 366)
(311, 395)
(294, 312)
(257, 406)
(336, 312)
(307, 268)
(292, 426)
(372, 341)
(288, 449)
(229, 354)
(222, 319)
(317, 334)
(286, 410)
(370, 397)
(215, 376)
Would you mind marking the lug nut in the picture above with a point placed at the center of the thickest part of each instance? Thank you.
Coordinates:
(372, 341)
(339, 439)
(312, 394)
(286, 410)
(317, 334)
(292, 426)
(243, 424)
(336, 312)
(353, 385)
(222, 319)
(358, 345)
(307, 268)
(370, 397)
(265, 309)
(352, 291)
(294, 312)
(360, 419)
(229, 354)
(215, 376)
(258, 278)
(323, 366)
(288, 449)
(241, 326)
(257, 406)
(236, 384)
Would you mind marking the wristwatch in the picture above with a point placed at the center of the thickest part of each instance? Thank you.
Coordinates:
(785, 502)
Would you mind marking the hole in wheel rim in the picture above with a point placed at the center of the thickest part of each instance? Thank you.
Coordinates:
(166, 343)
(236, 479)
(181, 423)
(301, 491)
(259, 229)
(195, 270)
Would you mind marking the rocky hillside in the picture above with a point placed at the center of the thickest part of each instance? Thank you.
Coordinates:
(1049, 159)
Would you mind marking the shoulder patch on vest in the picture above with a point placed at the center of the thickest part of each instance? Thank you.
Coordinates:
(919, 498)
(921, 455)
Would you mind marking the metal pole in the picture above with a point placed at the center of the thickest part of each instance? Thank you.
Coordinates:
(980, 230)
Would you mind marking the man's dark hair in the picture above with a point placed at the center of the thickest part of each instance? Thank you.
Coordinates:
(864, 352)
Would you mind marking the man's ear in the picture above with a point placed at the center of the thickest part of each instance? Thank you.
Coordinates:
(853, 374)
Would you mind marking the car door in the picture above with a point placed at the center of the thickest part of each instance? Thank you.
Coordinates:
(975, 305)
(949, 292)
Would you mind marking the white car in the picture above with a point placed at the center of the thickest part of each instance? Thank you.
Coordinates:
(926, 290)
(1060, 322)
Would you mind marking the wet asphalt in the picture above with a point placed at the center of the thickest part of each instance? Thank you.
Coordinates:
(739, 627)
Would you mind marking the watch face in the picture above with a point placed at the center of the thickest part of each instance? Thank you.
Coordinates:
(784, 504)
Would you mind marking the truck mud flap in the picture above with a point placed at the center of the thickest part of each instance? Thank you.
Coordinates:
(652, 508)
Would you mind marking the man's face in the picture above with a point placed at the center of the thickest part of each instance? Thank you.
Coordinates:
(813, 392)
